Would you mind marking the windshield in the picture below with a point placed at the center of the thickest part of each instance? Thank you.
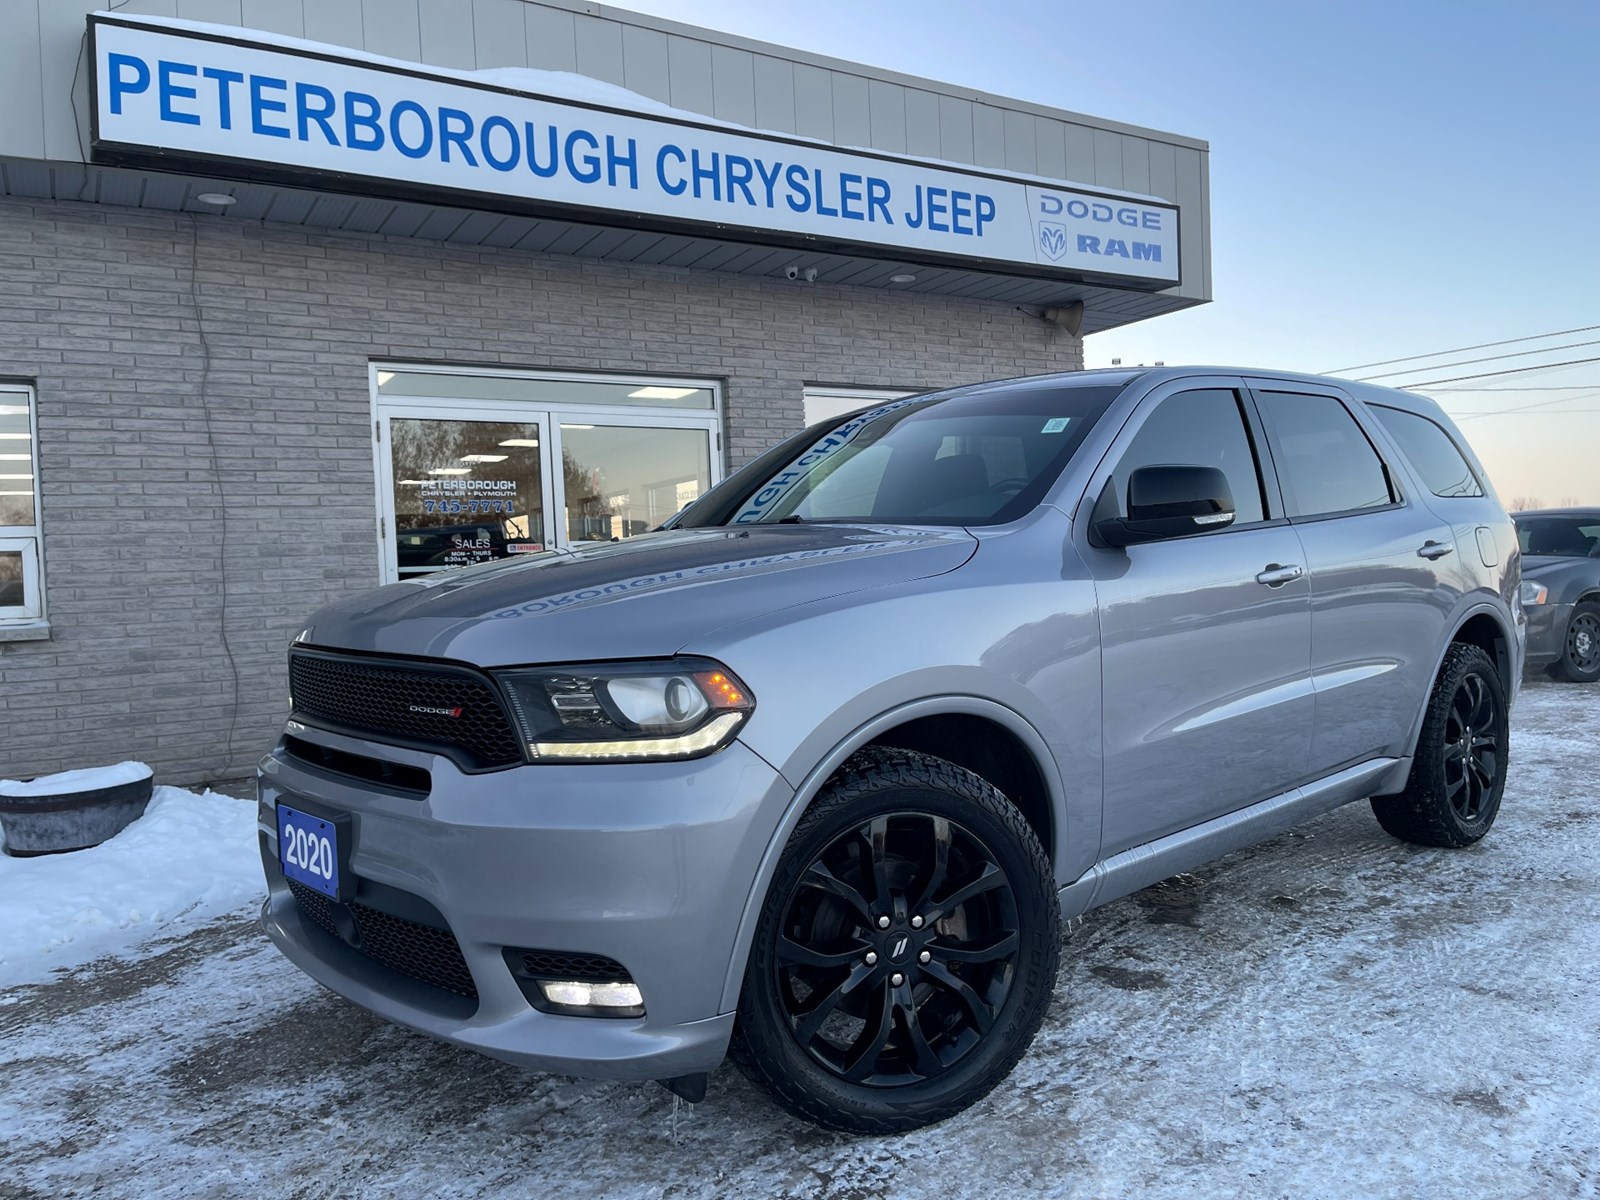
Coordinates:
(978, 456)
(1560, 537)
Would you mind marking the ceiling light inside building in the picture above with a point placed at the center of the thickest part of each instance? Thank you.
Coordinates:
(451, 471)
(385, 377)
(220, 199)
(564, 425)
(484, 458)
(520, 442)
(661, 393)
(413, 482)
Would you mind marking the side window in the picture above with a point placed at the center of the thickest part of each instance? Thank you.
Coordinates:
(1202, 428)
(1430, 450)
(21, 597)
(1325, 462)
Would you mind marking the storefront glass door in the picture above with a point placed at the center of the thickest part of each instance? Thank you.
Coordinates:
(473, 477)
(465, 491)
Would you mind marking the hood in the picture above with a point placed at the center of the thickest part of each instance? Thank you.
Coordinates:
(1546, 567)
(642, 598)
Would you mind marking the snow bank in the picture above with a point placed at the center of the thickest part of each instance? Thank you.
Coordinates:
(69, 783)
(189, 859)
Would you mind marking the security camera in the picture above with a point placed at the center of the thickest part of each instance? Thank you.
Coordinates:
(811, 274)
(791, 272)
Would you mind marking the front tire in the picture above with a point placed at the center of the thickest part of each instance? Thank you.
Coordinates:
(1459, 771)
(906, 951)
(1580, 658)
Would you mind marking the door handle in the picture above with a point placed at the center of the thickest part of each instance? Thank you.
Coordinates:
(1276, 574)
(1432, 549)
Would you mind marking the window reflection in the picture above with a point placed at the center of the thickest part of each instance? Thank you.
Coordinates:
(622, 481)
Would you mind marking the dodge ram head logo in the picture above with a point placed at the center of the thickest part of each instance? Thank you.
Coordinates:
(1052, 240)
(433, 712)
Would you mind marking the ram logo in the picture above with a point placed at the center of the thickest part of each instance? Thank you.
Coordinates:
(1052, 240)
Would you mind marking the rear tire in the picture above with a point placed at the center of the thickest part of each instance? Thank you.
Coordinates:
(1459, 772)
(1580, 657)
(906, 952)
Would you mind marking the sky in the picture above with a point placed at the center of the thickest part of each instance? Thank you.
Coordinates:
(1387, 179)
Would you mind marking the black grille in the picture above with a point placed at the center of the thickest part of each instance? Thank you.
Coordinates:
(428, 955)
(383, 698)
(556, 964)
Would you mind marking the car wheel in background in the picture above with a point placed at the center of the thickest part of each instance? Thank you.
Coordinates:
(1459, 771)
(906, 952)
(1580, 658)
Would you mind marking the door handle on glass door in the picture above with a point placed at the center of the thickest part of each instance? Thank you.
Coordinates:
(1432, 549)
(1276, 575)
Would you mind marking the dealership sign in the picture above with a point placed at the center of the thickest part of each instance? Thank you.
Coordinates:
(169, 94)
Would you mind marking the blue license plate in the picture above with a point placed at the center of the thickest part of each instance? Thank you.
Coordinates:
(308, 850)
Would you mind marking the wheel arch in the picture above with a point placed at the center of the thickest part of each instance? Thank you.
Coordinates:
(917, 725)
(1483, 626)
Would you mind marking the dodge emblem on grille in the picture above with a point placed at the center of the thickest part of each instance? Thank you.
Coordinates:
(434, 712)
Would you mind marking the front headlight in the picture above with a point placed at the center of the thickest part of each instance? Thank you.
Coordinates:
(1533, 593)
(627, 712)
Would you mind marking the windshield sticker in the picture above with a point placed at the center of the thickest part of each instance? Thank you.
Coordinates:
(1055, 424)
(763, 502)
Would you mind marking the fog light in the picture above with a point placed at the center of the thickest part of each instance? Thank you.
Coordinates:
(576, 994)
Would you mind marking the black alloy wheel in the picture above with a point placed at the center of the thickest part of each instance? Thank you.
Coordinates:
(1458, 772)
(1580, 663)
(1471, 747)
(906, 952)
(897, 949)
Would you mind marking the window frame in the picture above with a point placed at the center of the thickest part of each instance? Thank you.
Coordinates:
(1255, 435)
(28, 539)
(1363, 421)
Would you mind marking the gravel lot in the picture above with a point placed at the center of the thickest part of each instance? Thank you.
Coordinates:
(1331, 1013)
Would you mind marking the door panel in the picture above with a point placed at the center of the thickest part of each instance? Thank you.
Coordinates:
(1206, 640)
(1381, 571)
(1208, 702)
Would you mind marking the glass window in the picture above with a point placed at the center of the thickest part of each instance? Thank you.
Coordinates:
(1325, 462)
(542, 391)
(465, 492)
(625, 480)
(1202, 428)
(831, 403)
(976, 456)
(1430, 450)
(1560, 536)
(20, 597)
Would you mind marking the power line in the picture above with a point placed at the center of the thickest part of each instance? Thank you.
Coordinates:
(1529, 408)
(1468, 362)
(1552, 387)
(1532, 337)
(1574, 362)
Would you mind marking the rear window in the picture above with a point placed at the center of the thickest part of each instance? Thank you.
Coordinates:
(1325, 462)
(1431, 451)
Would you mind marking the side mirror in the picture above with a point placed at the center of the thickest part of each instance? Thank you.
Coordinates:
(1170, 502)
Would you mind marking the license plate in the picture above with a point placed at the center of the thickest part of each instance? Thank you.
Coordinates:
(308, 850)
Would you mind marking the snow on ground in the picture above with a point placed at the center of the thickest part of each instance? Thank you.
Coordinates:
(187, 861)
(1328, 1014)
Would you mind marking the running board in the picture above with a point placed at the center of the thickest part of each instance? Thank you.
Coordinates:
(1154, 861)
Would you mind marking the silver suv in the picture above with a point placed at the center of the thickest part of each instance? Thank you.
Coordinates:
(811, 773)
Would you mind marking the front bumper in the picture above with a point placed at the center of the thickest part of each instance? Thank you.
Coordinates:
(647, 864)
(1547, 633)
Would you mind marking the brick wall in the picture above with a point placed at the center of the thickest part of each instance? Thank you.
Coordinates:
(182, 550)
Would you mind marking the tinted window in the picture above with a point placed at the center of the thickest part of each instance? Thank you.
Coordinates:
(1431, 452)
(1203, 428)
(978, 456)
(1560, 537)
(1325, 463)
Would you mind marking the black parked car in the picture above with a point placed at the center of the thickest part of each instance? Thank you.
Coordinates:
(1561, 590)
